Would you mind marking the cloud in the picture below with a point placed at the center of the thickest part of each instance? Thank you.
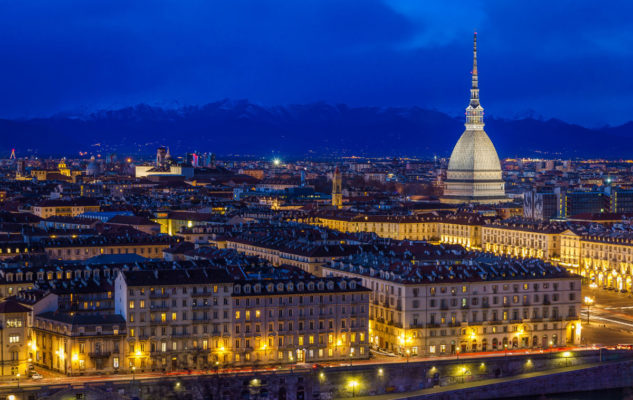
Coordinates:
(545, 56)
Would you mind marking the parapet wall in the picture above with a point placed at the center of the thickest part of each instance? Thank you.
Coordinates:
(365, 380)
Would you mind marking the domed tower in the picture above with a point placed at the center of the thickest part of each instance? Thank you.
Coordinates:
(474, 171)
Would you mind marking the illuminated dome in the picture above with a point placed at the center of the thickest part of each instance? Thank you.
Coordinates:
(474, 151)
(474, 171)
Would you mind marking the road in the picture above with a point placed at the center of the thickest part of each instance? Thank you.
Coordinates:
(610, 318)
(51, 378)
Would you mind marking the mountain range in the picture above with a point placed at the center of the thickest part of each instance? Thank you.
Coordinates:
(241, 128)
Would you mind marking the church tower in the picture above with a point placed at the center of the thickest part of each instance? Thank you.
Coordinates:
(474, 171)
(337, 191)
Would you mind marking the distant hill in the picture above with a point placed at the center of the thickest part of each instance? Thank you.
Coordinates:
(319, 129)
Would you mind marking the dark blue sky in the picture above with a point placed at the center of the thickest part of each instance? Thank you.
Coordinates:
(567, 59)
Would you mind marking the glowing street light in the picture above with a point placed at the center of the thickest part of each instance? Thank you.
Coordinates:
(353, 384)
(276, 162)
(588, 302)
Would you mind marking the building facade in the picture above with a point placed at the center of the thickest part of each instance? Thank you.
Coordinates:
(439, 310)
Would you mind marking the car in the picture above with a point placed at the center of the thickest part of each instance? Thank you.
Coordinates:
(36, 376)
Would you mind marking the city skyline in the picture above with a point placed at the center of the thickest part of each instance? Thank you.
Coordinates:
(258, 200)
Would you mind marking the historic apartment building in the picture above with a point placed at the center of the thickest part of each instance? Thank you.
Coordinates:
(604, 258)
(79, 344)
(78, 249)
(65, 208)
(445, 308)
(200, 318)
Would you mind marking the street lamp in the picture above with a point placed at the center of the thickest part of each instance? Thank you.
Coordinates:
(353, 384)
(566, 355)
(133, 373)
(464, 370)
(457, 351)
(588, 302)
(18, 375)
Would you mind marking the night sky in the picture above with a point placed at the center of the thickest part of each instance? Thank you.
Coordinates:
(571, 60)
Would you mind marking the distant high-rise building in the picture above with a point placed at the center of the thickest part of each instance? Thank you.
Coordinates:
(474, 170)
(622, 200)
(541, 205)
(337, 188)
(574, 203)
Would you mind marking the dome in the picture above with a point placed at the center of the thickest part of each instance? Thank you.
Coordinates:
(474, 151)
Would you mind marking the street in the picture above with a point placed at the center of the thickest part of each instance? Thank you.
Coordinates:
(610, 318)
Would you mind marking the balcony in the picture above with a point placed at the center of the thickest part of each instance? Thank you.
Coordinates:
(201, 294)
(158, 295)
(396, 324)
(99, 354)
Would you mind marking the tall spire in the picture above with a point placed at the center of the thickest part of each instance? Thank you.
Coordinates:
(474, 111)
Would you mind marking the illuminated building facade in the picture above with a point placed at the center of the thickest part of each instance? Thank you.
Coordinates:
(474, 171)
(201, 318)
(14, 338)
(78, 344)
(65, 208)
(312, 320)
(605, 259)
(436, 310)
(523, 239)
(85, 248)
